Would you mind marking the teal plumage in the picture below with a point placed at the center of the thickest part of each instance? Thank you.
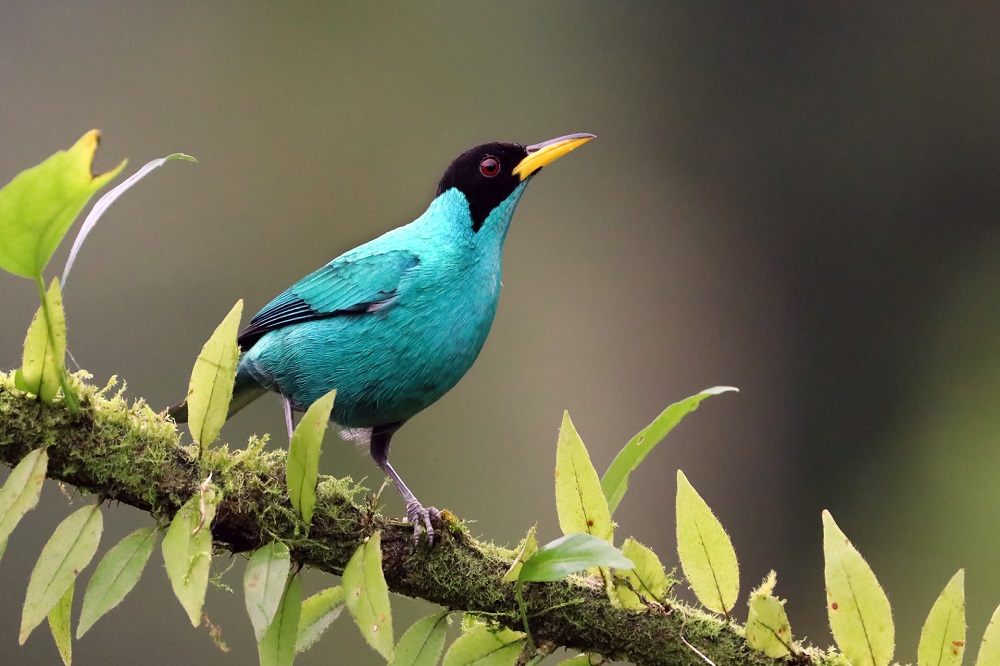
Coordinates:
(395, 323)
(434, 284)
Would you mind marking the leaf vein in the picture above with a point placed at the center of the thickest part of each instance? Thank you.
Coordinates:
(857, 607)
(711, 567)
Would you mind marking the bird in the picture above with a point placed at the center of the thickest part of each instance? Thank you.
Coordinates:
(395, 323)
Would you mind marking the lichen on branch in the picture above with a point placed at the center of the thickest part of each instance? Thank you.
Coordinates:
(130, 454)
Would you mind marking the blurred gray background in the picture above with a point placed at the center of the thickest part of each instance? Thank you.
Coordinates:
(798, 199)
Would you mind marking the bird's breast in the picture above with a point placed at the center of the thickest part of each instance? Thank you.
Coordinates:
(449, 318)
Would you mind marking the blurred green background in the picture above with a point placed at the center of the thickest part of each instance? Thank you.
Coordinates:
(799, 199)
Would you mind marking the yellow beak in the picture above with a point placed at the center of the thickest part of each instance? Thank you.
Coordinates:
(549, 151)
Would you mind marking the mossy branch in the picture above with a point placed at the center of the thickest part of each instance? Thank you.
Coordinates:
(130, 454)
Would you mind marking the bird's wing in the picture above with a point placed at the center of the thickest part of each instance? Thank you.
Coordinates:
(347, 285)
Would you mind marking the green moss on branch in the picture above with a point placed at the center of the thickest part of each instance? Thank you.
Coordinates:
(131, 454)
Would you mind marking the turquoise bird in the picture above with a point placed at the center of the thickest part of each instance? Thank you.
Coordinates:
(395, 323)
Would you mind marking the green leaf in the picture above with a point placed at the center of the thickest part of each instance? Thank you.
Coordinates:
(20, 493)
(105, 202)
(264, 584)
(615, 481)
(277, 647)
(45, 347)
(860, 616)
(482, 647)
(187, 551)
(578, 660)
(528, 548)
(579, 500)
(303, 456)
(39, 205)
(942, 641)
(115, 576)
(19, 382)
(989, 650)
(767, 627)
(211, 387)
(60, 624)
(318, 613)
(367, 596)
(647, 577)
(706, 553)
(67, 553)
(569, 554)
(423, 642)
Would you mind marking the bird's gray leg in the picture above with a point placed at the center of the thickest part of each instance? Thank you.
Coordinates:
(415, 511)
(289, 417)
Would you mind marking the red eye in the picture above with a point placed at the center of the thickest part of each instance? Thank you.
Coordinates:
(490, 166)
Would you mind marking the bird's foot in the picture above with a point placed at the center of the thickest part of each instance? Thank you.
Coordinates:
(421, 519)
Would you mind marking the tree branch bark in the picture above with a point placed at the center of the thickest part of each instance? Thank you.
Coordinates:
(130, 454)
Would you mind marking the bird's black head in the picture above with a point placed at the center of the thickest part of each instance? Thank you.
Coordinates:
(489, 173)
(485, 175)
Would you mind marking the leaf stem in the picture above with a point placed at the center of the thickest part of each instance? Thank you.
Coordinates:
(524, 615)
(72, 404)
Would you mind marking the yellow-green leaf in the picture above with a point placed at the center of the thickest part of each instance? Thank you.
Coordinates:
(39, 205)
(318, 613)
(579, 499)
(264, 584)
(303, 456)
(860, 616)
(942, 640)
(115, 576)
(989, 649)
(706, 553)
(528, 548)
(614, 483)
(423, 642)
(187, 551)
(578, 660)
(482, 647)
(211, 387)
(60, 624)
(647, 577)
(20, 493)
(67, 553)
(45, 347)
(19, 382)
(580, 502)
(367, 596)
(277, 647)
(767, 627)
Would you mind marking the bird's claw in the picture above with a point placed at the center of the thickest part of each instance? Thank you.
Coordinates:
(421, 519)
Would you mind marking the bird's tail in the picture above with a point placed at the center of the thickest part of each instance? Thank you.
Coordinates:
(245, 391)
